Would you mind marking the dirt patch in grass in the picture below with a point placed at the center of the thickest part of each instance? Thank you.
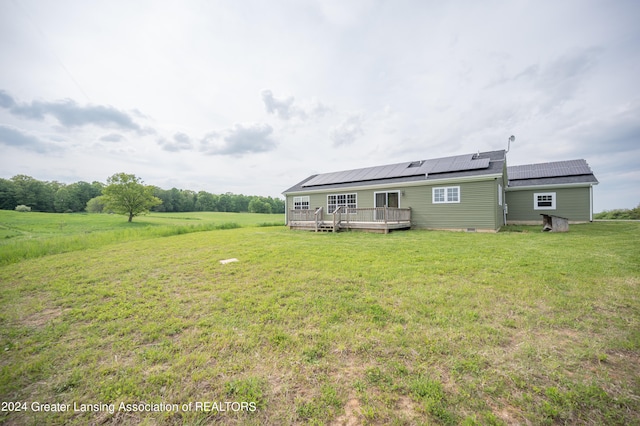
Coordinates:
(348, 369)
(352, 414)
(406, 408)
(42, 318)
(508, 414)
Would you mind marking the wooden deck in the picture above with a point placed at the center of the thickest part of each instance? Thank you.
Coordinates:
(377, 219)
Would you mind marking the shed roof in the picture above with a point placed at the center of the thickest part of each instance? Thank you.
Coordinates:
(554, 169)
(553, 173)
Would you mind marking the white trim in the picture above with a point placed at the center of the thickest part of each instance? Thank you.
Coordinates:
(591, 204)
(385, 192)
(447, 198)
(499, 194)
(556, 186)
(552, 200)
(346, 200)
(397, 184)
(302, 199)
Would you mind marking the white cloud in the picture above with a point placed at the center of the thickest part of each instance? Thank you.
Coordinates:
(112, 137)
(22, 140)
(241, 139)
(179, 142)
(286, 110)
(69, 113)
(283, 108)
(348, 131)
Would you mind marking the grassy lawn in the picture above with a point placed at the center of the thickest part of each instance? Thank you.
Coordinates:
(413, 327)
(28, 235)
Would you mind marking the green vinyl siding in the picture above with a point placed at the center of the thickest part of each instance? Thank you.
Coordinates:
(478, 207)
(572, 203)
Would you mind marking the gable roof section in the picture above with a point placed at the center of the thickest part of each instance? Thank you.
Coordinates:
(554, 173)
(439, 168)
(414, 168)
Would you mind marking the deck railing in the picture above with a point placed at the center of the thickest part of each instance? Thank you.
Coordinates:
(376, 214)
(318, 217)
(302, 215)
(343, 216)
(337, 218)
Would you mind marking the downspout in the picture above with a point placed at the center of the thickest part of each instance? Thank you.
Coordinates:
(504, 205)
(590, 203)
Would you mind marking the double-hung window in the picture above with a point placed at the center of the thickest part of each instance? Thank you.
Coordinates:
(301, 203)
(544, 201)
(341, 200)
(447, 194)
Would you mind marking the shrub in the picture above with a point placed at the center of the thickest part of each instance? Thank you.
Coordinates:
(620, 214)
(95, 205)
(23, 208)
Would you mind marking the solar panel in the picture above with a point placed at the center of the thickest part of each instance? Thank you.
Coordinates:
(545, 170)
(456, 164)
(368, 173)
(414, 168)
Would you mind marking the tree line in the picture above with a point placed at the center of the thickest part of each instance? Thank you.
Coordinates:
(57, 197)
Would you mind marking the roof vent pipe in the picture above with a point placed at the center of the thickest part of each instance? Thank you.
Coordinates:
(511, 139)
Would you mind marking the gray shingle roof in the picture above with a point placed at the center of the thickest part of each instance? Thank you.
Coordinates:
(562, 180)
(455, 166)
(415, 168)
(486, 163)
(557, 172)
(554, 169)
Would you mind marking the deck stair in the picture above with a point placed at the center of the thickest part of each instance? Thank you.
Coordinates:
(327, 227)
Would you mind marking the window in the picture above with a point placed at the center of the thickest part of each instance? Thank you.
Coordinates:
(301, 203)
(544, 201)
(449, 194)
(499, 194)
(341, 200)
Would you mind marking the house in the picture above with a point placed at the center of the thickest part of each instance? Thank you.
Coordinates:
(561, 188)
(464, 192)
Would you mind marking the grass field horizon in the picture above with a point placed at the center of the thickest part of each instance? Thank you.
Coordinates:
(414, 327)
(25, 235)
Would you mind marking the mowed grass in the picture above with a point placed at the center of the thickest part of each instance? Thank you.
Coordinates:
(413, 327)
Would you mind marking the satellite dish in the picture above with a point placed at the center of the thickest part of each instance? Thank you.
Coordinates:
(512, 138)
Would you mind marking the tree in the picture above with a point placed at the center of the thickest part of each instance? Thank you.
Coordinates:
(259, 205)
(126, 194)
(226, 203)
(7, 194)
(165, 197)
(34, 193)
(187, 200)
(206, 202)
(79, 195)
(62, 200)
(95, 205)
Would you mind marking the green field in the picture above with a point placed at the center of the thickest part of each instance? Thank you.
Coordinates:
(28, 235)
(413, 327)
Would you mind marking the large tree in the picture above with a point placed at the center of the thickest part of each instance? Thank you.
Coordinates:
(127, 194)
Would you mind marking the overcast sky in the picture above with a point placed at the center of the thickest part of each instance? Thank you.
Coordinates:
(253, 96)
